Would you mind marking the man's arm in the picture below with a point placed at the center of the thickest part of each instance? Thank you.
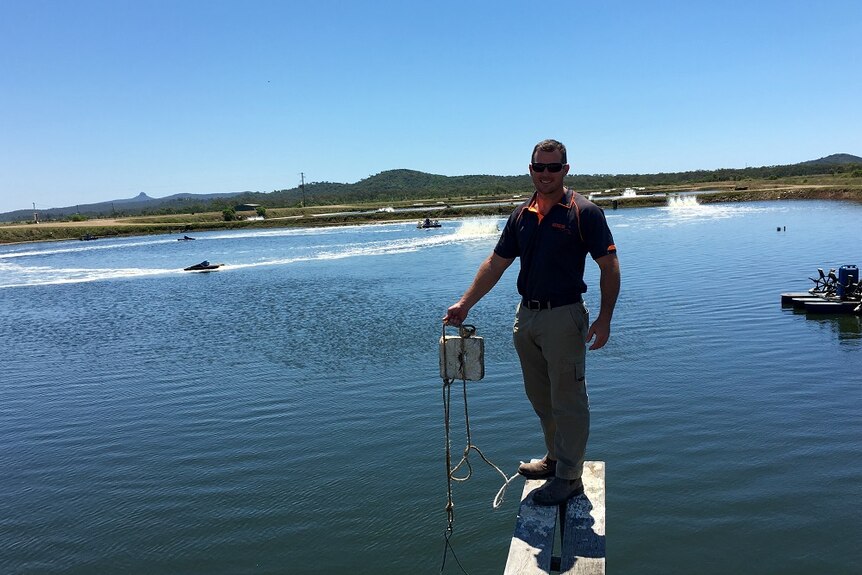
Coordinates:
(609, 284)
(487, 277)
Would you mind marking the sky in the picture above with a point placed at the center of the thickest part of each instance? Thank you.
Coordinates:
(103, 100)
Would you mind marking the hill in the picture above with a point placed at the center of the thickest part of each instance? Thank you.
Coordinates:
(405, 185)
(140, 204)
(834, 159)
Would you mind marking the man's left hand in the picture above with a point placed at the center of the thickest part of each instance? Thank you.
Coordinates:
(601, 330)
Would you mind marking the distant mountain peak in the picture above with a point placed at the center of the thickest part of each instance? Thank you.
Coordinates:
(836, 159)
(142, 197)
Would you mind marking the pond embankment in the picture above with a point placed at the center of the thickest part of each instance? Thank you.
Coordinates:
(353, 215)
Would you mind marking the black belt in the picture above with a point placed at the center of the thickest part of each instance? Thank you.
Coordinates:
(549, 304)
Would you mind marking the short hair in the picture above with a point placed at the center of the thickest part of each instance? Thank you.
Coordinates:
(550, 146)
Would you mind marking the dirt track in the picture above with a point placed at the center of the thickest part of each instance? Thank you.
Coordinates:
(84, 224)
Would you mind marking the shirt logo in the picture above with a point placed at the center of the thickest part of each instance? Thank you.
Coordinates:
(561, 227)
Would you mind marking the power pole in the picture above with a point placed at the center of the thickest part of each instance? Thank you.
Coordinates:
(302, 186)
(35, 214)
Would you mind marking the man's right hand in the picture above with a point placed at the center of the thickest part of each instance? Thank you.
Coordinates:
(456, 314)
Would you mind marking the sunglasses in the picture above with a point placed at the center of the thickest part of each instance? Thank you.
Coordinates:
(539, 167)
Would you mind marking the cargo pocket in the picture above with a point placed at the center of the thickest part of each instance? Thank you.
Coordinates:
(581, 383)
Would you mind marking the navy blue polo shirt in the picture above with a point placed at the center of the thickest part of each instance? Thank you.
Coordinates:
(553, 248)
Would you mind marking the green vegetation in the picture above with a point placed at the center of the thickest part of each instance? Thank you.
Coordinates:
(334, 204)
(406, 185)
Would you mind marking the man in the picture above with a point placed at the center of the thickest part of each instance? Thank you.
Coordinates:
(552, 233)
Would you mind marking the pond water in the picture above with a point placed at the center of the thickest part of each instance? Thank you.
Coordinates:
(284, 414)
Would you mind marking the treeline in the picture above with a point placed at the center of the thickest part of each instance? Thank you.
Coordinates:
(393, 186)
(406, 185)
(605, 181)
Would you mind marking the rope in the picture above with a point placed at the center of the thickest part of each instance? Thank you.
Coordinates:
(498, 499)
(466, 331)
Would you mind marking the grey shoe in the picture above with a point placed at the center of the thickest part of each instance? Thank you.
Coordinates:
(538, 469)
(557, 491)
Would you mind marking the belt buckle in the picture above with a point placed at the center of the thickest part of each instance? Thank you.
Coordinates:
(535, 304)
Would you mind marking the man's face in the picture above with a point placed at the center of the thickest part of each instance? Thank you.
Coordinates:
(548, 182)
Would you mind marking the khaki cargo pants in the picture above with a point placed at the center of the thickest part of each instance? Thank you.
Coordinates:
(551, 347)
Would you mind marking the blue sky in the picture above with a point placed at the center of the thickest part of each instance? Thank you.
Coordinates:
(104, 100)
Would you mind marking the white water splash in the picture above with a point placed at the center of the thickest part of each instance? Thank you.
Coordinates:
(44, 275)
(682, 202)
(683, 210)
(478, 228)
(71, 247)
(14, 274)
(467, 231)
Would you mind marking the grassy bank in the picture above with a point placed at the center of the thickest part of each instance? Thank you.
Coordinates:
(343, 215)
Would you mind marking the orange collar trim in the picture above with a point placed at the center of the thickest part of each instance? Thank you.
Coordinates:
(533, 205)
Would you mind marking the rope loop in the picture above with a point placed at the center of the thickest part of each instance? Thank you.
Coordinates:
(465, 330)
